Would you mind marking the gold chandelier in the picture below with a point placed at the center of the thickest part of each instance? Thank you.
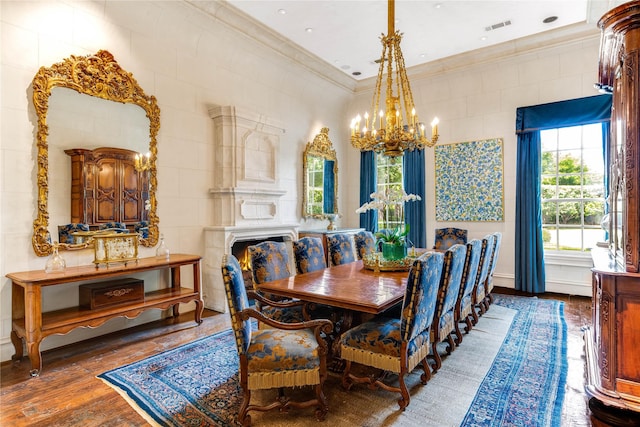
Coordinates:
(399, 128)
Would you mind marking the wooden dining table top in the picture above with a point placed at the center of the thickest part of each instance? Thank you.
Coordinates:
(348, 286)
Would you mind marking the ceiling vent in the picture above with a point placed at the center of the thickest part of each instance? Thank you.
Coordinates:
(498, 25)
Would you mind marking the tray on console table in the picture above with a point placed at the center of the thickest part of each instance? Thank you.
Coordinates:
(30, 324)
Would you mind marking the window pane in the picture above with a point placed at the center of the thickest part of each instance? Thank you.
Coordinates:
(572, 187)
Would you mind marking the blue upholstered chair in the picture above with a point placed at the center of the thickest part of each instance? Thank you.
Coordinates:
(142, 228)
(341, 249)
(309, 255)
(365, 243)
(464, 304)
(492, 266)
(114, 226)
(270, 261)
(397, 344)
(282, 355)
(65, 232)
(444, 322)
(479, 292)
(447, 237)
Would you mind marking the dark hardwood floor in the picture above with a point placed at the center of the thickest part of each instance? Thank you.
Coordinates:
(68, 393)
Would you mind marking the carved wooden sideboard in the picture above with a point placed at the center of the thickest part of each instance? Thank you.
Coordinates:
(611, 343)
(106, 187)
(30, 324)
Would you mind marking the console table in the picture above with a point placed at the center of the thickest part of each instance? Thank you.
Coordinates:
(30, 324)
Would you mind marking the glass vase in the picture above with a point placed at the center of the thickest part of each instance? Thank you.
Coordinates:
(162, 252)
(394, 251)
(55, 263)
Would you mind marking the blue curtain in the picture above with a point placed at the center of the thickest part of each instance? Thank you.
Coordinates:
(529, 272)
(369, 219)
(414, 170)
(329, 186)
(529, 253)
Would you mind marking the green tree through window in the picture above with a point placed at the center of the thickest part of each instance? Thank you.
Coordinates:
(390, 178)
(572, 187)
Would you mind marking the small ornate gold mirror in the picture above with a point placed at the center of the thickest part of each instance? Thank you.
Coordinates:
(320, 178)
(99, 76)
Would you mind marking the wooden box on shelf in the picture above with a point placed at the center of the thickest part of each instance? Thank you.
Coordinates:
(106, 294)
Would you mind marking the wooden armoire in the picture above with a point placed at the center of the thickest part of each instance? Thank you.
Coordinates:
(106, 187)
(612, 342)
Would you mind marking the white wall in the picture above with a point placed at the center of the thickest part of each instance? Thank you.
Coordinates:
(475, 96)
(190, 60)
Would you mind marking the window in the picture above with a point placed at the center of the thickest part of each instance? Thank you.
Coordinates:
(315, 184)
(572, 187)
(389, 173)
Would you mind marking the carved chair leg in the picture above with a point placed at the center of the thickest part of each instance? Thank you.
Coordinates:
(323, 408)
(458, 339)
(243, 417)
(451, 345)
(346, 381)
(469, 324)
(404, 391)
(475, 319)
(436, 357)
(426, 376)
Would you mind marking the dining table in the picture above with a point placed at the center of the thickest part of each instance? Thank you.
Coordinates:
(349, 286)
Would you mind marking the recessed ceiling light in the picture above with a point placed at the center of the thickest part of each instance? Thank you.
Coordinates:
(549, 19)
(309, 30)
(437, 5)
(282, 11)
(356, 73)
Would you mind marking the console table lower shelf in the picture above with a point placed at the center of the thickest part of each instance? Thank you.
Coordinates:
(30, 324)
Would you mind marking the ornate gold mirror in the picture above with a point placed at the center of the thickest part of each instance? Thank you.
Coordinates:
(99, 76)
(320, 178)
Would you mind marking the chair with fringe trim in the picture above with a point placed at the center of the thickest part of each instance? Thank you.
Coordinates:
(464, 304)
(444, 324)
(114, 227)
(270, 261)
(341, 249)
(282, 355)
(365, 243)
(65, 232)
(488, 284)
(397, 345)
(309, 255)
(447, 237)
(479, 292)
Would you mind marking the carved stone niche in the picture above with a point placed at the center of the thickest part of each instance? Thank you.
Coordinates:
(246, 181)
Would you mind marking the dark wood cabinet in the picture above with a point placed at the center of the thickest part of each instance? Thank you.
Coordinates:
(611, 343)
(106, 187)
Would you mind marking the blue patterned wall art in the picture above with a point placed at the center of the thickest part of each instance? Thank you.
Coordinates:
(469, 181)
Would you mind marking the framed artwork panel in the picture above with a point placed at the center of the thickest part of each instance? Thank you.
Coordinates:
(469, 181)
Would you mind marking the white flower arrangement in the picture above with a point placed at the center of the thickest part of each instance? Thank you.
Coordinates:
(382, 200)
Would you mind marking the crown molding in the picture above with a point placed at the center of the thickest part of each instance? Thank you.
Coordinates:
(232, 17)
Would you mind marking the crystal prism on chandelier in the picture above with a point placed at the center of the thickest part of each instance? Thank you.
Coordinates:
(399, 128)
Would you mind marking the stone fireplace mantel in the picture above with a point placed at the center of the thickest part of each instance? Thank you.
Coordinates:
(246, 191)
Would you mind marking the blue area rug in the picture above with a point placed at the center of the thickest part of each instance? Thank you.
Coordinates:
(197, 384)
(525, 385)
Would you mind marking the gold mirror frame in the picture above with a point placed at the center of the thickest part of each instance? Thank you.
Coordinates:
(320, 147)
(96, 75)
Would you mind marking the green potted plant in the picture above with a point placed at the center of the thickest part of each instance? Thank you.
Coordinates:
(393, 242)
